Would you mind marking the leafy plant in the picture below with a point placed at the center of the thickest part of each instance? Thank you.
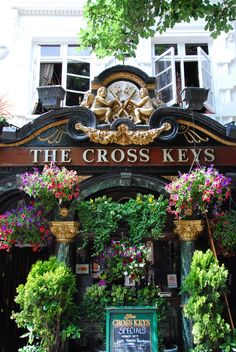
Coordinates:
(26, 225)
(197, 192)
(52, 187)
(224, 232)
(145, 215)
(230, 342)
(100, 216)
(47, 307)
(205, 283)
(97, 298)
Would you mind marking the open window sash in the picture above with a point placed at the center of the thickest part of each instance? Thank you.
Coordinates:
(205, 78)
(164, 71)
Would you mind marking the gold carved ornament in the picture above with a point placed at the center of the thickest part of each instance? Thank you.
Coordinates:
(123, 135)
(64, 231)
(188, 230)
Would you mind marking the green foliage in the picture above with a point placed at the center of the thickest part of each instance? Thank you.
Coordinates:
(205, 283)
(100, 216)
(47, 308)
(145, 215)
(114, 27)
(97, 298)
(224, 232)
(229, 343)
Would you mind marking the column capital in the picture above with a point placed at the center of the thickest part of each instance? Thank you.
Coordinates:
(188, 230)
(64, 231)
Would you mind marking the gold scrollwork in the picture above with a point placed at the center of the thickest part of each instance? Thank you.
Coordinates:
(55, 137)
(191, 135)
(123, 135)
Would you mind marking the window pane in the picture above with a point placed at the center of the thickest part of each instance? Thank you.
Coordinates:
(50, 50)
(161, 48)
(77, 83)
(50, 74)
(73, 50)
(79, 68)
(191, 49)
(73, 98)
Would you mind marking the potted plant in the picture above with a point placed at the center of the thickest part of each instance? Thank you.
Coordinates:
(205, 283)
(25, 225)
(224, 229)
(47, 307)
(53, 187)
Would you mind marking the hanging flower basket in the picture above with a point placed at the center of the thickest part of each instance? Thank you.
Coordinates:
(22, 226)
(53, 187)
(197, 192)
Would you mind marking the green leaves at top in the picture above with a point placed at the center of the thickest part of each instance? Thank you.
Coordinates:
(114, 27)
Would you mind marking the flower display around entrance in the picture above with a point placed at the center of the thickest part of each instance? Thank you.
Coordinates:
(52, 187)
(26, 225)
(121, 259)
(196, 192)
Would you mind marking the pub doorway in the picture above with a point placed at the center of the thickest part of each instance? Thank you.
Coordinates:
(166, 250)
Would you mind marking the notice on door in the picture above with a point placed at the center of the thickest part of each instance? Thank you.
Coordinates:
(131, 329)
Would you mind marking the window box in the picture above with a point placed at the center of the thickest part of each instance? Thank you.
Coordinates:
(194, 97)
(51, 96)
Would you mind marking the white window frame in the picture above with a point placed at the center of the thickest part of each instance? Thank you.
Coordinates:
(181, 57)
(63, 58)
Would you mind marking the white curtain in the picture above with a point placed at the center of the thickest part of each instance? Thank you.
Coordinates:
(46, 73)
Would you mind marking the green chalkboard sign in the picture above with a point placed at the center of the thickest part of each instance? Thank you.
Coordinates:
(131, 329)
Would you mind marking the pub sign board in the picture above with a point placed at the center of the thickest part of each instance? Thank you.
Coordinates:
(131, 329)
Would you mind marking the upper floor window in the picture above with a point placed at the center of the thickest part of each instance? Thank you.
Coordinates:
(67, 66)
(181, 65)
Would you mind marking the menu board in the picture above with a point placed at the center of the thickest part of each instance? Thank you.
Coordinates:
(131, 329)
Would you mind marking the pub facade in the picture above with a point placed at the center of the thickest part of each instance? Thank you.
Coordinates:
(122, 140)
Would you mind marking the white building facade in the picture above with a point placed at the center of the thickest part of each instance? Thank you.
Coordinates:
(38, 46)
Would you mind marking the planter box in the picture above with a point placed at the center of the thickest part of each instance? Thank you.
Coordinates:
(51, 96)
(194, 97)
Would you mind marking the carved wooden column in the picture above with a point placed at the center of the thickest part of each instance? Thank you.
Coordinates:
(188, 232)
(65, 232)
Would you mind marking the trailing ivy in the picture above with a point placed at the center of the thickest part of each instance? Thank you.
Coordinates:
(145, 216)
(100, 216)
